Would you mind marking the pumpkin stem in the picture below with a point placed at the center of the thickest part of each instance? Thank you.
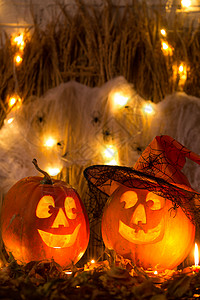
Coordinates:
(47, 179)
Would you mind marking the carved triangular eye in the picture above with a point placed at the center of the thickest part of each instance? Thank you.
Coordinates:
(70, 206)
(130, 198)
(44, 206)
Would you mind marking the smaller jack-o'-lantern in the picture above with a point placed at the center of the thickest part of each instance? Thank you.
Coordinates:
(150, 213)
(43, 218)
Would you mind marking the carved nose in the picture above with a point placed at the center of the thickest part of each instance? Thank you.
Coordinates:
(139, 215)
(60, 220)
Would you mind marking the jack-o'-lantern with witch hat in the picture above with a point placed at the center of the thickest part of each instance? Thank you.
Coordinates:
(152, 209)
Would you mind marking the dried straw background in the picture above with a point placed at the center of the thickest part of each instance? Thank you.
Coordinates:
(94, 46)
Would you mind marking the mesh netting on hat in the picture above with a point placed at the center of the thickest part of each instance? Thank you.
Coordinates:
(158, 169)
(103, 180)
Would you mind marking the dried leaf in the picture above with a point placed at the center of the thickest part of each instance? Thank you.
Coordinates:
(179, 286)
(159, 297)
(118, 273)
(145, 290)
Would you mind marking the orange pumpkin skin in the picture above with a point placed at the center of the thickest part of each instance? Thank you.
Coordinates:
(43, 221)
(144, 228)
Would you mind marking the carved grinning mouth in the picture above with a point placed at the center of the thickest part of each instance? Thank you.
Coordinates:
(140, 237)
(59, 240)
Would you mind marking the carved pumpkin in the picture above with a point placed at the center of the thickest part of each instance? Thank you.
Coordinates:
(144, 227)
(43, 221)
(151, 209)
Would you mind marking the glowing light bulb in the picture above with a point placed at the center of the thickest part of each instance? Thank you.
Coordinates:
(53, 171)
(180, 68)
(120, 99)
(12, 101)
(110, 155)
(155, 272)
(186, 3)
(18, 59)
(165, 46)
(163, 32)
(112, 162)
(50, 142)
(109, 152)
(10, 120)
(92, 261)
(182, 72)
(148, 109)
(68, 272)
(19, 41)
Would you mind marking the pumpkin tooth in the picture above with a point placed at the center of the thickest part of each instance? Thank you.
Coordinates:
(59, 240)
(139, 236)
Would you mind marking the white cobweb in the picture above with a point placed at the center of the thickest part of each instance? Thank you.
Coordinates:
(83, 122)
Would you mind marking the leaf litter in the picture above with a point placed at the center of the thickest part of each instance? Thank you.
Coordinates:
(47, 280)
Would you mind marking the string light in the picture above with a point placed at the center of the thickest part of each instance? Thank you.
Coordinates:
(120, 96)
(163, 32)
(180, 68)
(92, 261)
(19, 41)
(13, 100)
(18, 59)
(53, 171)
(50, 142)
(166, 48)
(182, 72)
(185, 3)
(120, 99)
(9, 121)
(110, 155)
(68, 272)
(148, 108)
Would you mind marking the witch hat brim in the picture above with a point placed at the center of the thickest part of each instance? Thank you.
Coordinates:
(157, 170)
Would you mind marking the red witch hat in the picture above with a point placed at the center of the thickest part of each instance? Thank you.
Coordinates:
(158, 169)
